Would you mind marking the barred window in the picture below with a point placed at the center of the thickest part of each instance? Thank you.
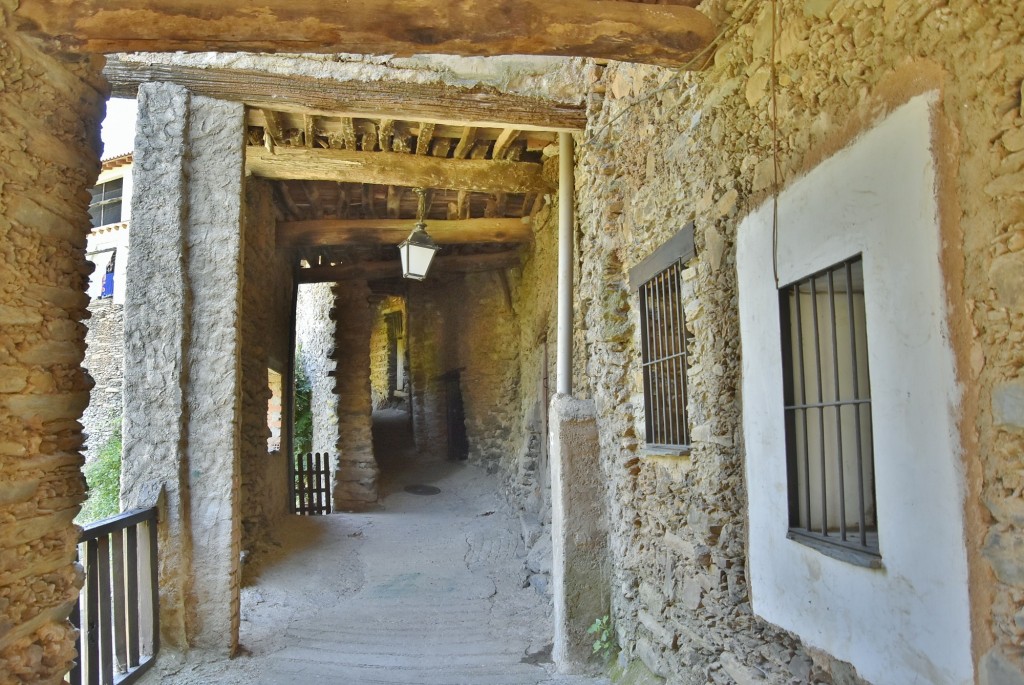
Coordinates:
(830, 458)
(664, 341)
(105, 205)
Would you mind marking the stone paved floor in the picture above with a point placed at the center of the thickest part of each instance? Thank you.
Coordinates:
(425, 591)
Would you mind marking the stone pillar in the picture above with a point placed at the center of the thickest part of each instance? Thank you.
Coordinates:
(49, 157)
(182, 390)
(355, 475)
(266, 319)
(579, 532)
(315, 333)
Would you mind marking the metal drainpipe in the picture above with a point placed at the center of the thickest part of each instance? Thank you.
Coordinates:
(566, 254)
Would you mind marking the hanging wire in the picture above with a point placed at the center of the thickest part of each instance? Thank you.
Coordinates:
(681, 72)
(775, 145)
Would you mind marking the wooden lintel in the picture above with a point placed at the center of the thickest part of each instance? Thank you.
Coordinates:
(445, 264)
(427, 102)
(300, 234)
(666, 35)
(393, 168)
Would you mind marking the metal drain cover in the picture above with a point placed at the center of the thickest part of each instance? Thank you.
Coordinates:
(422, 489)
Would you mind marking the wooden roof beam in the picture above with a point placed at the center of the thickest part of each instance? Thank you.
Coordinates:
(308, 129)
(436, 103)
(504, 142)
(273, 127)
(297, 234)
(465, 142)
(443, 263)
(423, 139)
(666, 35)
(393, 168)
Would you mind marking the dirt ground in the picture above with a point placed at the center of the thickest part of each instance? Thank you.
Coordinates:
(427, 590)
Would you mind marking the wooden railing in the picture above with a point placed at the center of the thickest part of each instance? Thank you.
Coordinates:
(118, 611)
(311, 484)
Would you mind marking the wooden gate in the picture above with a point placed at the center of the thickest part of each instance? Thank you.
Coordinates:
(311, 484)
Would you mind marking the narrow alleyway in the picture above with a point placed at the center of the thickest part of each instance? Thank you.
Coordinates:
(427, 590)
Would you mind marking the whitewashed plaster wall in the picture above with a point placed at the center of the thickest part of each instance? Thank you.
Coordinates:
(907, 622)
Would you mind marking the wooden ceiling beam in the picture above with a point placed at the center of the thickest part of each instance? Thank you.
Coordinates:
(466, 142)
(385, 131)
(504, 142)
(442, 263)
(393, 168)
(273, 126)
(348, 133)
(666, 35)
(427, 102)
(301, 234)
(424, 138)
(308, 129)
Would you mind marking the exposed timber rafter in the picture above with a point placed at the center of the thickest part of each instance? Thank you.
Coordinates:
(504, 142)
(667, 35)
(372, 270)
(466, 142)
(424, 137)
(291, 234)
(427, 102)
(274, 127)
(393, 168)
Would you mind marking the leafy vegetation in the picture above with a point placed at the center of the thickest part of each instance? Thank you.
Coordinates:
(604, 638)
(103, 476)
(303, 407)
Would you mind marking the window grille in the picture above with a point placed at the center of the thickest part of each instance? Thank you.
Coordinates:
(105, 205)
(828, 411)
(664, 345)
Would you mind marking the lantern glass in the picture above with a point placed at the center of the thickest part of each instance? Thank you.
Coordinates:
(417, 251)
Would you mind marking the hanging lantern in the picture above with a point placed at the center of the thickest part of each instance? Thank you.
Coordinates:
(417, 251)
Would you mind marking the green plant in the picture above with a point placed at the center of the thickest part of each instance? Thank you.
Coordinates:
(303, 407)
(604, 638)
(103, 477)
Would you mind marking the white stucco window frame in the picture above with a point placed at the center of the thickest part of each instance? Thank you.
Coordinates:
(909, 621)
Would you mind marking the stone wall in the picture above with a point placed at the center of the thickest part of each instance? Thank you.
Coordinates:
(49, 157)
(464, 323)
(314, 340)
(104, 361)
(182, 388)
(266, 305)
(355, 472)
(381, 340)
(666, 148)
(430, 356)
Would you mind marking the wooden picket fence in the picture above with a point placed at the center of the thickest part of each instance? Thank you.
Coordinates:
(311, 484)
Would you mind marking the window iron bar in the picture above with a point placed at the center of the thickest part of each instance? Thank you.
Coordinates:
(832, 442)
(821, 413)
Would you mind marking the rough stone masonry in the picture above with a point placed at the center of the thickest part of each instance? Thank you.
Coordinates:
(665, 148)
(48, 163)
